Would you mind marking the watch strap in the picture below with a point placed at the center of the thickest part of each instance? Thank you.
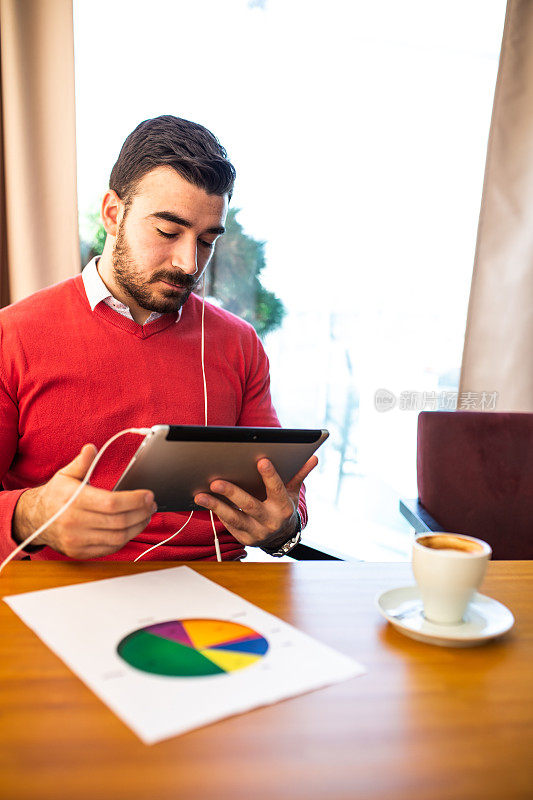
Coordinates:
(286, 548)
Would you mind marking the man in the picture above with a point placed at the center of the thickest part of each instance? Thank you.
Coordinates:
(119, 346)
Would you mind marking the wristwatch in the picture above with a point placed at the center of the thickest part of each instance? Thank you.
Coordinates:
(288, 546)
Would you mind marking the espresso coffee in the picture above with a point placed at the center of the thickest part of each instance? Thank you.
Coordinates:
(447, 541)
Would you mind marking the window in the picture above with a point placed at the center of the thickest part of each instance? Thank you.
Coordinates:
(359, 132)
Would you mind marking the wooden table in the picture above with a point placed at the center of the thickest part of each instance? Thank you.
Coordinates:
(425, 722)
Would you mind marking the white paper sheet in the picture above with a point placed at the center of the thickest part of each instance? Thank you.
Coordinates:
(83, 624)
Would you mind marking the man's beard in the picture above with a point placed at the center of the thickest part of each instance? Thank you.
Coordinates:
(128, 277)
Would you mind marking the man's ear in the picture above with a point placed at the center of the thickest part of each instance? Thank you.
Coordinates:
(112, 212)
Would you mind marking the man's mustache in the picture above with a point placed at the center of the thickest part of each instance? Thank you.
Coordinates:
(182, 280)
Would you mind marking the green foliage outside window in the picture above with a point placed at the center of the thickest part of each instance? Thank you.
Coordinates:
(234, 278)
(96, 233)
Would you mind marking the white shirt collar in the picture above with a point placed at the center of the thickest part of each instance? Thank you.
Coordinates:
(97, 291)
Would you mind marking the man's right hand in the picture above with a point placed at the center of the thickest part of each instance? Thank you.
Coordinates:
(98, 522)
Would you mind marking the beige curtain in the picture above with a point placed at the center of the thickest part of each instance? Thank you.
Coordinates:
(498, 352)
(4, 273)
(40, 226)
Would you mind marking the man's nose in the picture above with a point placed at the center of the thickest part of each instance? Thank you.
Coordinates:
(185, 256)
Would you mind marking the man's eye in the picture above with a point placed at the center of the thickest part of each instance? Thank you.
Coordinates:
(206, 244)
(166, 235)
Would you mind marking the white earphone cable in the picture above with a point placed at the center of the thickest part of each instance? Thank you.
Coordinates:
(22, 545)
(153, 547)
(202, 359)
(217, 545)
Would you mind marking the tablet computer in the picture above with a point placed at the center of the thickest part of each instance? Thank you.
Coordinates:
(176, 462)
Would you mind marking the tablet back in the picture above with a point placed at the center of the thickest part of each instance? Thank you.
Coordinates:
(177, 462)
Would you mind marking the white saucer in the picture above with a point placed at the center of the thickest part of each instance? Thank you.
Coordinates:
(484, 619)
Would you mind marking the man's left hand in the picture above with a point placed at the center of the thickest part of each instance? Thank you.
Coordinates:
(268, 523)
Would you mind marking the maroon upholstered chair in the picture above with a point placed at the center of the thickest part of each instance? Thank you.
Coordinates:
(475, 476)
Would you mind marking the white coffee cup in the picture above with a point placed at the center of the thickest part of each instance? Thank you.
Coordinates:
(448, 568)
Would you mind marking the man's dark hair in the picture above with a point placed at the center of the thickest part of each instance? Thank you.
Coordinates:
(193, 151)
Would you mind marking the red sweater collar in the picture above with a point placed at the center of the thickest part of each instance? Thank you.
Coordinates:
(125, 324)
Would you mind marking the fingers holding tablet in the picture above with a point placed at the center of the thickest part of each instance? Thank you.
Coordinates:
(254, 522)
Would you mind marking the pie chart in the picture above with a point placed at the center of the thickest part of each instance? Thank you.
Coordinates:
(192, 648)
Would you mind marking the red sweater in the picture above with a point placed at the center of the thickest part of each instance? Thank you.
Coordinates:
(69, 376)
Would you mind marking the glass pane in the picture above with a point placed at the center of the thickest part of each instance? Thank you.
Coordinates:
(359, 132)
